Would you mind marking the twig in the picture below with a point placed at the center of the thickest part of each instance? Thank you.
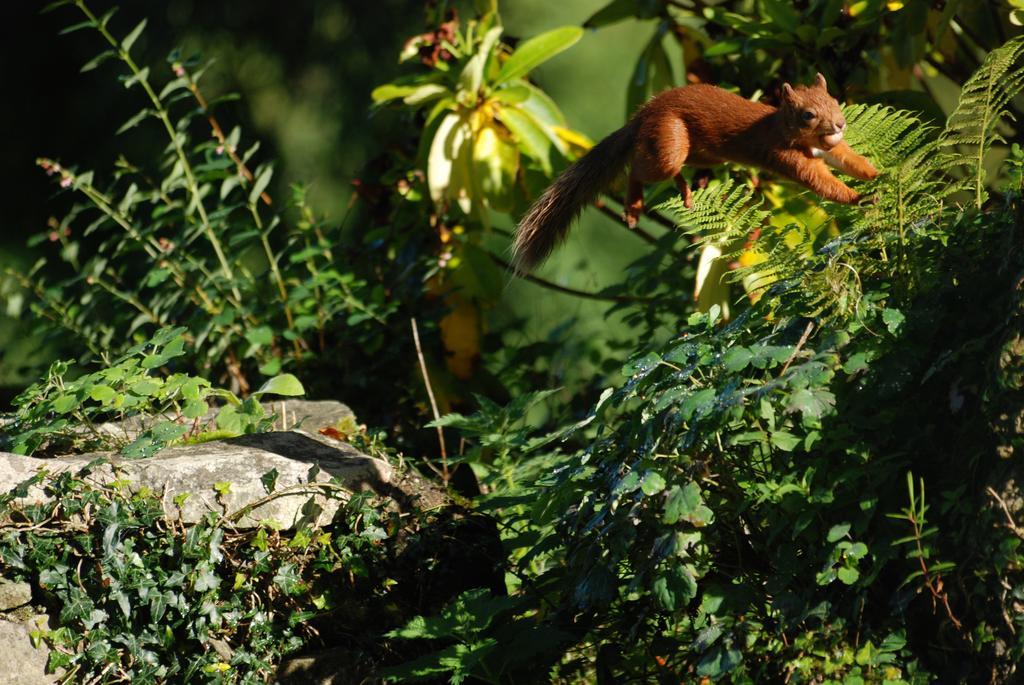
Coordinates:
(567, 290)
(1010, 523)
(433, 402)
(799, 346)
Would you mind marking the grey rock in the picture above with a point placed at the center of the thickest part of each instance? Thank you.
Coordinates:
(14, 594)
(303, 495)
(21, 663)
(308, 415)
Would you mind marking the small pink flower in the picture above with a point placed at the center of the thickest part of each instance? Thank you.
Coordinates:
(66, 182)
(54, 237)
(90, 280)
(220, 149)
(179, 70)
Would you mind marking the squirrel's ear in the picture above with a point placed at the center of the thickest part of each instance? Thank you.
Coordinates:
(787, 92)
(820, 82)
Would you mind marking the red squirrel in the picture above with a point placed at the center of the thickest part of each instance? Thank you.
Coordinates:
(699, 126)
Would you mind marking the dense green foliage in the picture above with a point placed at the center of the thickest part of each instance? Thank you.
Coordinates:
(801, 464)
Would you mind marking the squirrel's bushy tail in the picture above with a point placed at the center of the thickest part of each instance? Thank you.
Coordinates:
(548, 220)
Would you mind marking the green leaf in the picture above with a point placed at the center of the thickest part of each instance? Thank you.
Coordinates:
(65, 403)
(641, 366)
(787, 442)
(736, 359)
(166, 431)
(98, 60)
(537, 50)
(263, 177)
(511, 95)
(285, 384)
(847, 575)
(102, 393)
(653, 483)
(530, 135)
(472, 74)
(838, 531)
(391, 91)
(893, 319)
(426, 93)
(130, 39)
(195, 409)
(439, 160)
(146, 387)
(686, 504)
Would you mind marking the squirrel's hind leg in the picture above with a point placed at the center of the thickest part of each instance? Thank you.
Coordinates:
(684, 188)
(634, 205)
(662, 144)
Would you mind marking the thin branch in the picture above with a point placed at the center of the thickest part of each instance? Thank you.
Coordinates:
(799, 346)
(614, 216)
(433, 402)
(544, 283)
(1010, 523)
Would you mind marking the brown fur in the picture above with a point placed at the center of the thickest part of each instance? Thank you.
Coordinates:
(699, 126)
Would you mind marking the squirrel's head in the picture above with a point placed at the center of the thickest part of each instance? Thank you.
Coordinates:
(812, 115)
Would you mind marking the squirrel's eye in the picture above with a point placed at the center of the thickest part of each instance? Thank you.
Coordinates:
(807, 115)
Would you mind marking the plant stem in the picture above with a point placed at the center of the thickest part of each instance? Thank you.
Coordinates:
(141, 76)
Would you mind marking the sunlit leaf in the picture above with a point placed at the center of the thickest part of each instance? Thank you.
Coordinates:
(537, 50)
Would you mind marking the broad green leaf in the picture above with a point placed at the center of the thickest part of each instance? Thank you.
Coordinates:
(102, 393)
(838, 532)
(511, 95)
(195, 409)
(495, 164)
(847, 575)
(537, 50)
(787, 442)
(166, 431)
(686, 504)
(530, 135)
(652, 483)
(893, 319)
(736, 358)
(439, 163)
(285, 384)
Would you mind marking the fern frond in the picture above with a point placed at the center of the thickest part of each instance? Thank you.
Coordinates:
(983, 106)
(722, 213)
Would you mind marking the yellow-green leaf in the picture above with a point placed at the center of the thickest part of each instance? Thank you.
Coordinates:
(537, 50)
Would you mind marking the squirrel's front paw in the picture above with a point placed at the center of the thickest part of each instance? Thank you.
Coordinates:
(864, 170)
